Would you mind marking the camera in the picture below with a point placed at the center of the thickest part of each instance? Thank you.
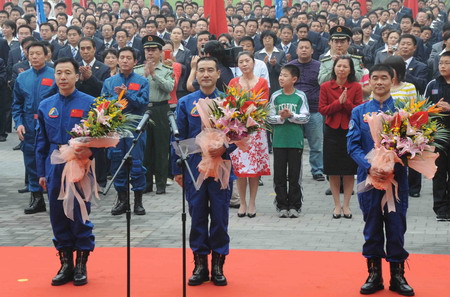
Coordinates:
(226, 56)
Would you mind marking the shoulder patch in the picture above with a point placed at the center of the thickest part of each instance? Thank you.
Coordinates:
(167, 67)
(351, 124)
(356, 57)
(326, 59)
(138, 66)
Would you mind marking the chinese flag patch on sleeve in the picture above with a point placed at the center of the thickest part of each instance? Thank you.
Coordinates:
(47, 82)
(76, 113)
(134, 87)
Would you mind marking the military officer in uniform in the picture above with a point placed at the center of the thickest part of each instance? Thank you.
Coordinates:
(161, 80)
(339, 43)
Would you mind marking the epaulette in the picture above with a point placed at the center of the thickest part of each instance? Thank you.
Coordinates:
(138, 66)
(326, 59)
(167, 66)
(356, 57)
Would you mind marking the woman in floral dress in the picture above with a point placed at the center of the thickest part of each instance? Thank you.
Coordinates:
(250, 165)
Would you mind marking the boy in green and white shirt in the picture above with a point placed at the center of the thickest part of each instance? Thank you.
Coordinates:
(288, 111)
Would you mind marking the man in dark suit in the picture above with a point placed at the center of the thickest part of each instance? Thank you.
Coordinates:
(355, 21)
(108, 40)
(184, 57)
(161, 22)
(4, 50)
(416, 73)
(5, 102)
(92, 75)
(134, 40)
(251, 27)
(18, 54)
(71, 49)
(287, 45)
(382, 23)
(403, 11)
(189, 41)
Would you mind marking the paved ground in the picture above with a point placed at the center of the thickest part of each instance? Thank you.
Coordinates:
(315, 230)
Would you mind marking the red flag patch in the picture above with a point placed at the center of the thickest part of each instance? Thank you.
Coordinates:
(47, 82)
(76, 113)
(134, 87)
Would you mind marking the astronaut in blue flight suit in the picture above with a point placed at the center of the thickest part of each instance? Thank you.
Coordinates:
(31, 87)
(57, 115)
(137, 94)
(359, 143)
(209, 200)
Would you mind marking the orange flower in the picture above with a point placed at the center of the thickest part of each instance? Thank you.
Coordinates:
(434, 109)
(396, 122)
(122, 103)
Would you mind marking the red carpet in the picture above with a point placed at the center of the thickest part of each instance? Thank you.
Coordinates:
(27, 271)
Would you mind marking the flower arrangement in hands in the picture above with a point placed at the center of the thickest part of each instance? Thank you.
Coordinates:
(407, 136)
(228, 120)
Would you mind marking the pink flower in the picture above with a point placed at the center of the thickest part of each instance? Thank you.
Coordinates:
(101, 118)
(251, 122)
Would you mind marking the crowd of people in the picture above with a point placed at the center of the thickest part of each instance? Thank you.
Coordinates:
(321, 64)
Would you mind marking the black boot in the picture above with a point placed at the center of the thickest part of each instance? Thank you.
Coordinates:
(398, 282)
(138, 208)
(217, 269)
(65, 273)
(374, 282)
(37, 203)
(80, 272)
(121, 205)
(201, 272)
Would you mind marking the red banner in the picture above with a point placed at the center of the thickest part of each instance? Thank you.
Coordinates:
(218, 20)
(268, 2)
(69, 7)
(2, 2)
(413, 5)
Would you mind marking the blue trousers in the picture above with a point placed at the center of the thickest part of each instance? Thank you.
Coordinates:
(314, 134)
(70, 234)
(138, 170)
(209, 202)
(380, 224)
(29, 157)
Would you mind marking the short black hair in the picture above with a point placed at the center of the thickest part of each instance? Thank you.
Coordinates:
(90, 23)
(25, 26)
(87, 39)
(71, 60)
(292, 69)
(382, 67)
(38, 44)
(247, 38)
(128, 48)
(398, 64)
(408, 36)
(28, 39)
(61, 4)
(110, 50)
(406, 16)
(305, 40)
(208, 59)
(270, 33)
(75, 28)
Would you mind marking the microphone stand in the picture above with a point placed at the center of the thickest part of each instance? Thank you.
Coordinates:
(127, 162)
(182, 162)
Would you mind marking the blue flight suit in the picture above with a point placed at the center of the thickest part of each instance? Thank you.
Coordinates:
(359, 143)
(137, 95)
(57, 115)
(209, 200)
(30, 88)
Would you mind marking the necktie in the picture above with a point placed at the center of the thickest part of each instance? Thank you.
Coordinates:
(129, 44)
(286, 49)
(22, 56)
(107, 45)
(74, 52)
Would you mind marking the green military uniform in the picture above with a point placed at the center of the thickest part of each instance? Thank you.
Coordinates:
(326, 63)
(156, 155)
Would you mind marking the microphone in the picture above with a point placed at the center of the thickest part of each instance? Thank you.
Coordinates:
(173, 124)
(144, 121)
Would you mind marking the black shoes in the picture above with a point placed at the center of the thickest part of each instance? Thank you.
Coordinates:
(18, 147)
(2, 138)
(414, 195)
(318, 177)
(160, 191)
(80, 271)
(217, 269)
(65, 273)
(201, 272)
(442, 217)
(37, 203)
(241, 215)
(138, 207)
(374, 282)
(121, 205)
(23, 190)
(251, 215)
(398, 282)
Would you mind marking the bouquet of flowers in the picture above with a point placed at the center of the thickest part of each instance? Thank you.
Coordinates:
(101, 129)
(406, 136)
(228, 120)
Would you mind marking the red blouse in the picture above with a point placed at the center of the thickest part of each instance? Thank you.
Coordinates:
(337, 114)
(261, 84)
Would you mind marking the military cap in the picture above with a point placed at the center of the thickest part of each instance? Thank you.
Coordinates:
(340, 32)
(152, 41)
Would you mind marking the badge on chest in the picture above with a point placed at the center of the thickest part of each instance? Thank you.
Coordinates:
(53, 113)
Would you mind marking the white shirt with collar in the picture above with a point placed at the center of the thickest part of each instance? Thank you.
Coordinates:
(288, 46)
(90, 64)
(180, 48)
(408, 62)
(275, 50)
